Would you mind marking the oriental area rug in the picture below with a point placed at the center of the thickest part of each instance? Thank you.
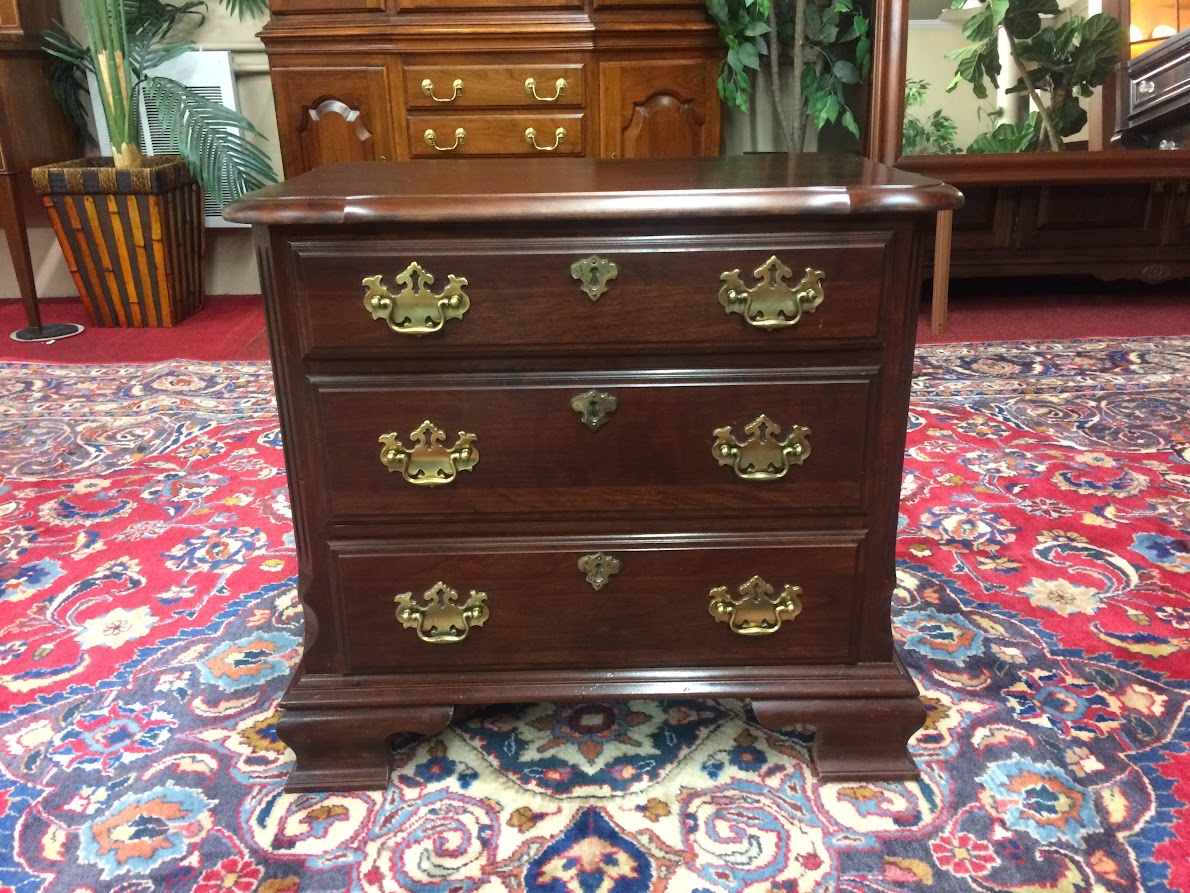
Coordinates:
(149, 623)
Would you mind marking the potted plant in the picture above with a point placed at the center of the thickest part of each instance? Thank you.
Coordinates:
(131, 226)
(1058, 63)
(826, 43)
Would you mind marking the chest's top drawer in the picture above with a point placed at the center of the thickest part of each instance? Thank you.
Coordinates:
(490, 296)
(448, 87)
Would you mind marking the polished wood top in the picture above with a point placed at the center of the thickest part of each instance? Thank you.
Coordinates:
(591, 189)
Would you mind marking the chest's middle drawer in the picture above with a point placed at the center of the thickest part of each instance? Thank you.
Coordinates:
(739, 441)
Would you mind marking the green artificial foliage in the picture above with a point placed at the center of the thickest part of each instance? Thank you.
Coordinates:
(932, 135)
(828, 42)
(126, 39)
(1065, 62)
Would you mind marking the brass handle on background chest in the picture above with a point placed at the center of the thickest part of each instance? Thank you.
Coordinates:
(531, 139)
(431, 139)
(415, 309)
(559, 90)
(427, 87)
(761, 456)
(755, 612)
(437, 615)
(772, 303)
(429, 462)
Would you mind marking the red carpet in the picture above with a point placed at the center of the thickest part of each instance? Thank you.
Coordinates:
(231, 327)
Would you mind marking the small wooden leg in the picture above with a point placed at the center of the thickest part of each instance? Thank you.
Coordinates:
(941, 297)
(348, 750)
(12, 218)
(856, 739)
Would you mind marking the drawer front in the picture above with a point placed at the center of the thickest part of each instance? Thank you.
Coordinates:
(523, 295)
(653, 607)
(1160, 86)
(496, 133)
(448, 87)
(656, 452)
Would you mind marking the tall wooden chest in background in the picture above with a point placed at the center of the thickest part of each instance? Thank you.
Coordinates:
(373, 80)
(582, 429)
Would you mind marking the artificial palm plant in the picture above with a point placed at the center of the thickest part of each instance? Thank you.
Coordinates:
(126, 40)
(131, 227)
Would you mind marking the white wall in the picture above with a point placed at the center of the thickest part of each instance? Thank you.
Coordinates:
(230, 263)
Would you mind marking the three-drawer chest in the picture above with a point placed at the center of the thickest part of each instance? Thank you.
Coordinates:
(578, 430)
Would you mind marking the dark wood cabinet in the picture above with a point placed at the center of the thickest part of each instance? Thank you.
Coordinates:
(457, 78)
(33, 130)
(680, 390)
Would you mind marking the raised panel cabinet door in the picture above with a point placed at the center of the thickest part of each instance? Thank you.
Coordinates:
(327, 115)
(1071, 216)
(658, 109)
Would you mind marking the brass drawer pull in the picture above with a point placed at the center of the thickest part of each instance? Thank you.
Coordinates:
(598, 569)
(559, 90)
(772, 303)
(438, 617)
(755, 612)
(594, 273)
(415, 310)
(593, 407)
(531, 139)
(460, 138)
(427, 87)
(429, 463)
(761, 457)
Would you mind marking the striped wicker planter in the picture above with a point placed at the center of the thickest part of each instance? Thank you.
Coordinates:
(133, 239)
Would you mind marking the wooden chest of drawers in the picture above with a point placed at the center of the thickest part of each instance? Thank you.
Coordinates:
(577, 429)
(371, 80)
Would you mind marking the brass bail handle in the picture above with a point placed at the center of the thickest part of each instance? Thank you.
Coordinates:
(432, 140)
(427, 87)
(755, 611)
(559, 90)
(531, 139)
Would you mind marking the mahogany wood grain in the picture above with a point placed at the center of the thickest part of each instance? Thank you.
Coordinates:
(645, 487)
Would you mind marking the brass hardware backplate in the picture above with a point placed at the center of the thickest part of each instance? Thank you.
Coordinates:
(755, 612)
(594, 274)
(438, 617)
(761, 457)
(428, 462)
(594, 407)
(772, 303)
(415, 310)
(599, 569)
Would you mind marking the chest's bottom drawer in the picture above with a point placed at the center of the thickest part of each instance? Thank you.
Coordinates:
(616, 602)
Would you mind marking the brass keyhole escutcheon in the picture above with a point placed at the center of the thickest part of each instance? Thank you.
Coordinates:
(772, 303)
(437, 615)
(594, 274)
(761, 456)
(598, 569)
(429, 462)
(755, 612)
(593, 407)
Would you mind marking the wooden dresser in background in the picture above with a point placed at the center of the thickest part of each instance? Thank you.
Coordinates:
(370, 80)
(33, 129)
(585, 429)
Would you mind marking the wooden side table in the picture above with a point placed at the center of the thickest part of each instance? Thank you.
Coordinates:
(33, 131)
